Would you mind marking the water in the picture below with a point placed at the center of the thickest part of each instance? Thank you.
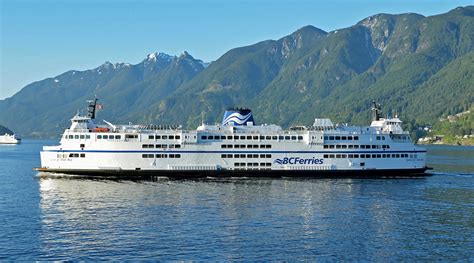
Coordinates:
(59, 218)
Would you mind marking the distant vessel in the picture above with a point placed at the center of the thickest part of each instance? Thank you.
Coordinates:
(10, 139)
(237, 147)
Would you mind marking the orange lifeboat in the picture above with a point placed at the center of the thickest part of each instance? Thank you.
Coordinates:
(101, 129)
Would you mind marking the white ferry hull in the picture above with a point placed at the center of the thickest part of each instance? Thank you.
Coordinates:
(235, 148)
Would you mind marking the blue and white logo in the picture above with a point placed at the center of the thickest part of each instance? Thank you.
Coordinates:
(298, 160)
(237, 117)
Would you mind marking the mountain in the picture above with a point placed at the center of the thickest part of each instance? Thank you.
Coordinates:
(43, 108)
(420, 67)
(4, 130)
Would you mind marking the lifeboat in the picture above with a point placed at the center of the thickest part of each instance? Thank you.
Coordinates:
(101, 129)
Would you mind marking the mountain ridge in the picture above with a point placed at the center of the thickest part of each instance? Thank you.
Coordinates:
(397, 59)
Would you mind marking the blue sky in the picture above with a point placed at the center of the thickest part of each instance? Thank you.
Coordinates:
(44, 38)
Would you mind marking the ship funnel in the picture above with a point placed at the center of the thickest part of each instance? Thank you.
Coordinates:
(238, 117)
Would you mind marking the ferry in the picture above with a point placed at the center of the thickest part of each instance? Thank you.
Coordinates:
(10, 139)
(237, 147)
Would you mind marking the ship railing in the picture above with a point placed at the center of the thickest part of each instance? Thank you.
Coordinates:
(309, 168)
(193, 168)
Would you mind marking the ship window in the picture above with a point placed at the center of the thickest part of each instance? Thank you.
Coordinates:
(331, 156)
(338, 137)
(331, 138)
(326, 146)
(397, 156)
(350, 146)
(377, 138)
(356, 138)
(229, 137)
(203, 137)
(331, 146)
(325, 138)
(293, 138)
(344, 146)
(287, 137)
(210, 137)
(255, 146)
(151, 137)
(326, 156)
(224, 146)
(158, 137)
(262, 146)
(105, 136)
(343, 156)
(268, 137)
(99, 136)
(374, 146)
(362, 164)
(362, 146)
(350, 156)
(117, 137)
(356, 156)
(249, 137)
(367, 156)
(356, 146)
(255, 137)
(338, 146)
(338, 156)
(343, 138)
(164, 137)
(82, 136)
(349, 138)
(171, 137)
(88, 136)
(171, 146)
(237, 146)
(76, 136)
(300, 138)
(274, 138)
(242, 137)
(379, 156)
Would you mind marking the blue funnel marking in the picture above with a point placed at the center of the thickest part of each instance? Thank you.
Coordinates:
(237, 117)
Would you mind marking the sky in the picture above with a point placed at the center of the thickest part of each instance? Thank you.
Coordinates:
(44, 38)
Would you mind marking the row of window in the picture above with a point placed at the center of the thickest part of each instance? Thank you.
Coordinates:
(71, 155)
(82, 136)
(254, 137)
(246, 156)
(164, 137)
(148, 155)
(248, 146)
(341, 138)
(353, 146)
(108, 137)
(161, 146)
(393, 155)
(252, 164)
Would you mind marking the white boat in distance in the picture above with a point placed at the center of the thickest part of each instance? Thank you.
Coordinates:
(237, 147)
(10, 139)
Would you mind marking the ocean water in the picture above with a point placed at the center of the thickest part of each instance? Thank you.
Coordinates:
(72, 218)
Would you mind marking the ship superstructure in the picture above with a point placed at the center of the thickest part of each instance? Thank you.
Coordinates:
(236, 147)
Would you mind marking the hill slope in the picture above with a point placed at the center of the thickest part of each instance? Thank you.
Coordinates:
(421, 67)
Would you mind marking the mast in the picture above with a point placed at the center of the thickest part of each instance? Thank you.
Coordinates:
(376, 111)
(91, 108)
